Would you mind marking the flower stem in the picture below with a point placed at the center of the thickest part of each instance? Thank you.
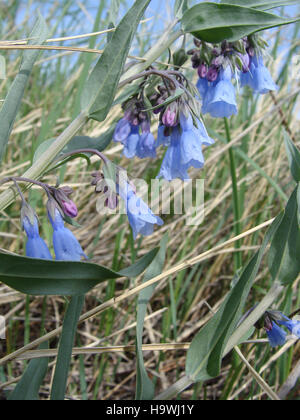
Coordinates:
(235, 196)
(38, 168)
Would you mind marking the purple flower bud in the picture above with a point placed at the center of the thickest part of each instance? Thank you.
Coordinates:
(169, 118)
(202, 70)
(69, 208)
(212, 74)
(246, 62)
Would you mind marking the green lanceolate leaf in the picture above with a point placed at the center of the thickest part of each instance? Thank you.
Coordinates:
(100, 89)
(206, 351)
(293, 157)
(14, 97)
(144, 385)
(66, 343)
(261, 4)
(284, 254)
(28, 387)
(42, 277)
(215, 23)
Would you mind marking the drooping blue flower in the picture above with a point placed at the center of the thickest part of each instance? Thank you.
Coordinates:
(220, 98)
(185, 149)
(131, 142)
(246, 78)
(122, 130)
(162, 140)
(258, 77)
(276, 335)
(172, 166)
(146, 145)
(292, 326)
(66, 246)
(190, 143)
(135, 143)
(35, 246)
(140, 216)
(203, 86)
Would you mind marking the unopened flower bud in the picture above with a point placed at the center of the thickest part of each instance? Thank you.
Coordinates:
(212, 74)
(69, 208)
(202, 70)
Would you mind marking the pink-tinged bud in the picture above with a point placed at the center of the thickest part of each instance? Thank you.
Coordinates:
(69, 208)
(212, 74)
(169, 118)
(202, 71)
(245, 58)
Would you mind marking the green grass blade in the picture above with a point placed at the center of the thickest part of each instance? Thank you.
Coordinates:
(65, 348)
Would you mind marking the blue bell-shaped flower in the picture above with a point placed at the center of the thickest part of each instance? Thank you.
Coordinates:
(66, 246)
(140, 216)
(276, 335)
(35, 246)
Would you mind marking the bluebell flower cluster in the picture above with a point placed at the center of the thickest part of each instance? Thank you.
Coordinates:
(274, 321)
(180, 129)
(219, 66)
(133, 131)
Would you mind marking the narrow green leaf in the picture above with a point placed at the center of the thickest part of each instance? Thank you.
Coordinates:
(215, 23)
(284, 254)
(13, 99)
(293, 157)
(100, 89)
(144, 385)
(207, 348)
(261, 4)
(40, 277)
(66, 343)
(298, 203)
(28, 387)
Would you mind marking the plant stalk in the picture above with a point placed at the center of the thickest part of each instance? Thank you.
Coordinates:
(235, 196)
